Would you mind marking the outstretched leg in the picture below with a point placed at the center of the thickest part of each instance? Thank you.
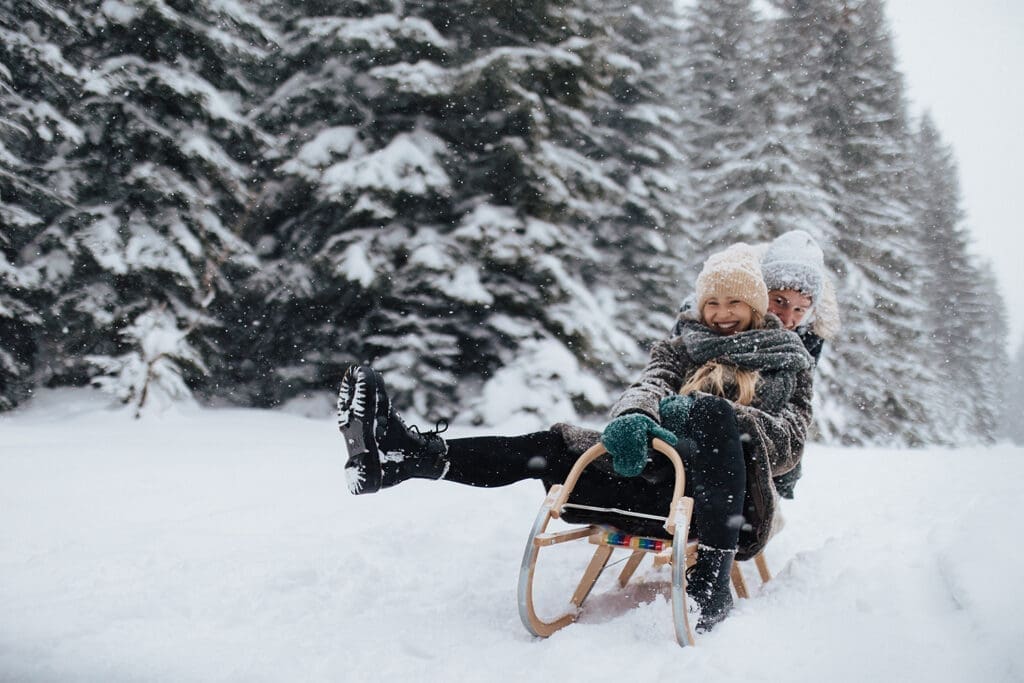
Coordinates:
(501, 460)
(383, 451)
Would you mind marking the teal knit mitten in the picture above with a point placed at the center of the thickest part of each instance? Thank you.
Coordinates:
(674, 410)
(628, 438)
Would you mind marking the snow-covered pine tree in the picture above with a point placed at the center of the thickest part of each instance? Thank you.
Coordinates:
(445, 171)
(727, 116)
(875, 387)
(1013, 407)
(965, 317)
(749, 150)
(749, 145)
(648, 242)
(992, 333)
(160, 179)
(37, 87)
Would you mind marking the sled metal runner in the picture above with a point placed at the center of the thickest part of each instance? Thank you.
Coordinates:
(680, 552)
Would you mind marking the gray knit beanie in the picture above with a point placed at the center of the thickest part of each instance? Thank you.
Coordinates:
(795, 261)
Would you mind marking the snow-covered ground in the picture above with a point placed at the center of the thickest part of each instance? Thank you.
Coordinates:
(222, 545)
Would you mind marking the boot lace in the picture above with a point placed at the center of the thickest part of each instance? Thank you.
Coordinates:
(440, 427)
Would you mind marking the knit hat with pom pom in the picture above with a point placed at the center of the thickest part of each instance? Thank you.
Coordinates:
(733, 274)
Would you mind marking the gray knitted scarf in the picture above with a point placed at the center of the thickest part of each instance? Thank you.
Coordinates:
(776, 353)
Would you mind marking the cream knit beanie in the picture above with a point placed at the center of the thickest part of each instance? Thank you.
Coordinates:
(733, 274)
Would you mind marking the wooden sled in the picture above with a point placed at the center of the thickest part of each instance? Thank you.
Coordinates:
(680, 551)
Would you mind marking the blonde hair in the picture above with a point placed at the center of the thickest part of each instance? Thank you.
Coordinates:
(713, 377)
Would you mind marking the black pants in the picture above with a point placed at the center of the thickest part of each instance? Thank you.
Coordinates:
(711, 450)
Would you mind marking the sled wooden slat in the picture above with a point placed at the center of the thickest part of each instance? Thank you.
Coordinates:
(663, 558)
(594, 569)
(739, 584)
(762, 567)
(554, 537)
(631, 564)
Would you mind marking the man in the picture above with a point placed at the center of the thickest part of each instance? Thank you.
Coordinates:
(800, 291)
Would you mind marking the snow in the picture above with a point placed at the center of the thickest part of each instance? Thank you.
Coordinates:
(377, 33)
(147, 249)
(487, 218)
(185, 238)
(585, 313)
(151, 368)
(239, 250)
(44, 111)
(103, 241)
(122, 13)
(536, 388)
(407, 164)
(314, 155)
(338, 140)
(222, 545)
(17, 277)
(206, 149)
(131, 73)
(119, 12)
(464, 285)
(426, 250)
(9, 159)
(355, 265)
(422, 78)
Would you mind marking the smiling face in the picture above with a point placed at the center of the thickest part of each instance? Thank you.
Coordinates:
(790, 305)
(727, 316)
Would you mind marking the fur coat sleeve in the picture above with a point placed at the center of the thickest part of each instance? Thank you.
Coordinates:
(663, 376)
(780, 436)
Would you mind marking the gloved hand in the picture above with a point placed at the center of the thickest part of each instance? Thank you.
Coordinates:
(628, 438)
(674, 410)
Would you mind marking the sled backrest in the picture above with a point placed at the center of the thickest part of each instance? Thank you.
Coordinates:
(596, 451)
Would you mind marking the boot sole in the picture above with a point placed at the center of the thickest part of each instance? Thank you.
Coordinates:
(362, 413)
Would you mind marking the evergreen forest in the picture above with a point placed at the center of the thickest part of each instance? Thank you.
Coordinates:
(230, 201)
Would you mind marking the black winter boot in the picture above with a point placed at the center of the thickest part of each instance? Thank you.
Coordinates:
(708, 583)
(382, 450)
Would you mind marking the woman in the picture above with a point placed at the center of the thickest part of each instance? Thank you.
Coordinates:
(731, 392)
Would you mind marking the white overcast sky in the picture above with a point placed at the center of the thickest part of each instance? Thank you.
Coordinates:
(964, 61)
